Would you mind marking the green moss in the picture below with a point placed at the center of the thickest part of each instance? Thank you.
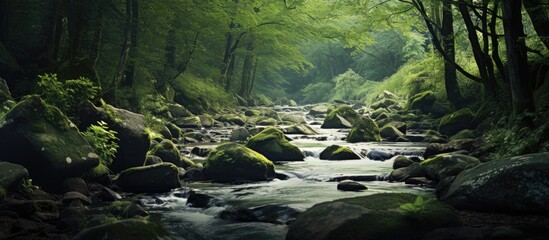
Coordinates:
(365, 130)
(231, 161)
(345, 112)
(456, 121)
(272, 143)
(422, 101)
(336, 152)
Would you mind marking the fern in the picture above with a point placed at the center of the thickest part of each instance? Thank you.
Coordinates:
(416, 207)
(103, 141)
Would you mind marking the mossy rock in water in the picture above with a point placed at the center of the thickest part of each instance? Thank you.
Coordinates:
(376, 217)
(448, 164)
(318, 110)
(134, 229)
(155, 178)
(390, 133)
(345, 112)
(378, 112)
(206, 121)
(364, 130)
(463, 134)
(299, 129)
(422, 101)
(383, 103)
(178, 110)
(267, 112)
(175, 131)
(336, 152)
(133, 140)
(252, 112)
(189, 122)
(293, 119)
(456, 121)
(43, 140)
(266, 121)
(231, 162)
(517, 184)
(272, 143)
(231, 119)
(168, 152)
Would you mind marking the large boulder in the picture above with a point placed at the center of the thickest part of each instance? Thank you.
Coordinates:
(240, 134)
(454, 122)
(44, 141)
(155, 178)
(231, 119)
(188, 122)
(11, 176)
(446, 165)
(299, 129)
(422, 101)
(130, 127)
(411, 171)
(364, 130)
(168, 152)
(338, 118)
(336, 152)
(390, 133)
(513, 184)
(371, 217)
(231, 162)
(125, 229)
(272, 143)
(318, 110)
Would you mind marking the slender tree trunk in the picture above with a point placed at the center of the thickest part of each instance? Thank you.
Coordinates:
(447, 35)
(537, 10)
(125, 48)
(50, 28)
(246, 70)
(517, 58)
(229, 73)
(491, 81)
(133, 51)
(74, 24)
(253, 77)
(495, 42)
(227, 55)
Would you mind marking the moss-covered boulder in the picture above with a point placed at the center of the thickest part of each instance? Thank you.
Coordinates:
(514, 184)
(463, 134)
(411, 171)
(168, 152)
(364, 130)
(130, 127)
(42, 139)
(175, 131)
(178, 110)
(390, 133)
(449, 164)
(422, 101)
(334, 119)
(11, 176)
(378, 112)
(383, 103)
(318, 110)
(401, 161)
(272, 143)
(188, 122)
(336, 152)
(155, 178)
(299, 129)
(231, 162)
(126, 229)
(456, 121)
(206, 121)
(231, 119)
(266, 121)
(293, 119)
(376, 217)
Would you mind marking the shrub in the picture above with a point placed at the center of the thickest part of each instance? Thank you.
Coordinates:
(67, 95)
(103, 141)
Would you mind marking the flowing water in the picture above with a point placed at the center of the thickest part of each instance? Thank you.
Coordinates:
(307, 185)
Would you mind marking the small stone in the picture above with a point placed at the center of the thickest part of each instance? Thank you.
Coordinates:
(70, 196)
(348, 185)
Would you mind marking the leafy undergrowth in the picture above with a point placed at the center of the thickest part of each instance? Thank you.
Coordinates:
(201, 95)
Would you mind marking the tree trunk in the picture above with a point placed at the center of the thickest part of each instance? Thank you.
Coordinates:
(495, 42)
(74, 24)
(124, 51)
(229, 73)
(447, 35)
(252, 81)
(517, 58)
(132, 54)
(246, 70)
(227, 56)
(538, 15)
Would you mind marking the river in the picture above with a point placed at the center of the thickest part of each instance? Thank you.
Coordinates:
(307, 185)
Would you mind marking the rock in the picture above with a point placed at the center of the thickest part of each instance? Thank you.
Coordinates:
(449, 164)
(130, 127)
(198, 136)
(463, 134)
(454, 146)
(156, 178)
(422, 101)
(514, 184)
(109, 195)
(456, 121)
(342, 117)
(151, 160)
(206, 121)
(292, 103)
(412, 171)
(168, 152)
(390, 133)
(125, 229)
(361, 178)
(178, 110)
(317, 110)
(75, 184)
(272, 143)
(433, 136)
(401, 161)
(277, 214)
(175, 131)
(418, 181)
(127, 209)
(239, 135)
(200, 151)
(189, 122)
(352, 186)
(198, 200)
(293, 118)
(299, 129)
(364, 130)
(11, 175)
(401, 126)
(383, 103)
(72, 196)
(193, 174)
(379, 155)
(265, 121)
(40, 138)
(232, 119)
(371, 217)
(251, 112)
(378, 112)
(336, 152)
(230, 162)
